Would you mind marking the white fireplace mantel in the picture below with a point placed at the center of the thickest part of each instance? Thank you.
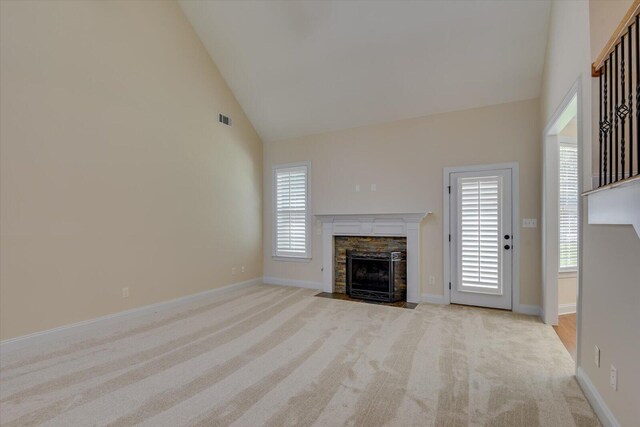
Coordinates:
(387, 224)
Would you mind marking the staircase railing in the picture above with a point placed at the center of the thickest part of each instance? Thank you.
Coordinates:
(618, 71)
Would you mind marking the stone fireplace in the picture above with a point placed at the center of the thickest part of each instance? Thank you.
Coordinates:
(339, 230)
(381, 259)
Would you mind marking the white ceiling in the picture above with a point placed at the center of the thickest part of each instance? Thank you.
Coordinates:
(301, 68)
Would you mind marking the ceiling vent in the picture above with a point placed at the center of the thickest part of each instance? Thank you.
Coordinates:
(225, 120)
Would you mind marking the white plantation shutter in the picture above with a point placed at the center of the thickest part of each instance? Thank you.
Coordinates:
(480, 228)
(568, 207)
(291, 215)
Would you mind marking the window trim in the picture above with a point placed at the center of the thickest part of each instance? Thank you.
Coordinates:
(274, 215)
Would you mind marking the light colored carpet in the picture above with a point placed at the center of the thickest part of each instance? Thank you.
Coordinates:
(278, 356)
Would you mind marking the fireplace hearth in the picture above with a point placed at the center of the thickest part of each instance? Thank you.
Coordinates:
(373, 275)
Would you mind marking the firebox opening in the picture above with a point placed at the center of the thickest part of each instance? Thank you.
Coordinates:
(372, 275)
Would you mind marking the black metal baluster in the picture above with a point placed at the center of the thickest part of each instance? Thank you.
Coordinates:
(615, 118)
(606, 126)
(637, 93)
(600, 127)
(610, 165)
(622, 109)
(630, 52)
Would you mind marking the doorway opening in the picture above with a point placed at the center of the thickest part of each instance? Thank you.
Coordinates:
(561, 223)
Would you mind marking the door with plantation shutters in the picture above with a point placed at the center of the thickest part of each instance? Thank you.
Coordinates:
(291, 213)
(481, 238)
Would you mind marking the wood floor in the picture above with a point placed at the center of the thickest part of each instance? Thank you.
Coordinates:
(566, 330)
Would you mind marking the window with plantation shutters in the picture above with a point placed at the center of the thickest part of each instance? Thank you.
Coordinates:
(291, 216)
(480, 228)
(568, 207)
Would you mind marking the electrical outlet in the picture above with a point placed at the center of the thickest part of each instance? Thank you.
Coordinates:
(596, 356)
(233, 270)
(613, 378)
(242, 269)
(529, 222)
(432, 280)
(125, 292)
(374, 187)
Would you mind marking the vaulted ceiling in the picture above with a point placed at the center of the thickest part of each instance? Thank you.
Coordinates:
(307, 67)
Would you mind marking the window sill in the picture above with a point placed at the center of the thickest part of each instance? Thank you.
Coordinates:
(290, 259)
(568, 274)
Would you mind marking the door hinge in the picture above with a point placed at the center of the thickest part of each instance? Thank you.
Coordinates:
(449, 285)
(449, 237)
(449, 187)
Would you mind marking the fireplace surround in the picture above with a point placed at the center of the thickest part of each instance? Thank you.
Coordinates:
(397, 224)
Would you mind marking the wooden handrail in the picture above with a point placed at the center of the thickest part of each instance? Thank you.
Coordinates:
(596, 67)
(635, 180)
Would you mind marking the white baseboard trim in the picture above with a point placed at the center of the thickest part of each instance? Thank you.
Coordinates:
(291, 282)
(595, 399)
(433, 299)
(566, 308)
(531, 310)
(21, 341)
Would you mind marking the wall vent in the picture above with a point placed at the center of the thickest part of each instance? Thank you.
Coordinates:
(225, 120)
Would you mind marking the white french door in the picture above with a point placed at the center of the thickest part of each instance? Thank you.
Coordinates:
(481, 238)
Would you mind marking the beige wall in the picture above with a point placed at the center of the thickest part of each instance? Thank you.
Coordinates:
(571, 129)
(115, 172)
(567, 290)
(610, 284)
(405, 160)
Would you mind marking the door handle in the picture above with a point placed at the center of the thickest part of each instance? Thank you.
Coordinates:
(507, 247)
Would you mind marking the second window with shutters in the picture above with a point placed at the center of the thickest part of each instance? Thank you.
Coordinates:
(291, 211)
(568, 207)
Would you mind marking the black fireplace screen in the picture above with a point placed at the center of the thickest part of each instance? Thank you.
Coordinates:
(371, 275)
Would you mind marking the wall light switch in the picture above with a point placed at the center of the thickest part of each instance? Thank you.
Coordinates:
(374, 187)
(242, 269)
(125, 292)
(529, 223)
(357, 188)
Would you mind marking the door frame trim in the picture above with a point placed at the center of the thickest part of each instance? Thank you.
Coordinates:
(550, 309)
(515, 210)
